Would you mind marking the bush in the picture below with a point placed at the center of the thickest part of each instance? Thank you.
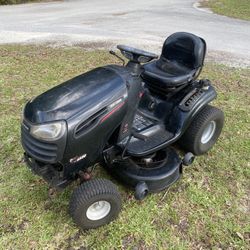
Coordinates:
(4, 2)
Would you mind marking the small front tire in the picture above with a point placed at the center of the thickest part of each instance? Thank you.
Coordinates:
(188, 159)
(141, 191)
(95, 203)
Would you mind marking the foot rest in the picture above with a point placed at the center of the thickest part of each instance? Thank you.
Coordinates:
(155, 135)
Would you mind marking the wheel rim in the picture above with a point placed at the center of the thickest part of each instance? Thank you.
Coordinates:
(98, 210)
(208, 132)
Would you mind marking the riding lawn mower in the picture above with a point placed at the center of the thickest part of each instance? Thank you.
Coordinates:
(130, 118)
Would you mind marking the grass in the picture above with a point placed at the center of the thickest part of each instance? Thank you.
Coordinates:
(207, 209)
(232, 8)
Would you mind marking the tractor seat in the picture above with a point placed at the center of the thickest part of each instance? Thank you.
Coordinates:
(180, 62)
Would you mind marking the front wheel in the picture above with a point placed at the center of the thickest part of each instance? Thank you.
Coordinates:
(95, 203)
(204, 131)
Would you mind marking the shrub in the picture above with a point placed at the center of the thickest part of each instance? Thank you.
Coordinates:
(4, 2)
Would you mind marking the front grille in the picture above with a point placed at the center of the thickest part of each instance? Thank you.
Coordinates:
(41, 151)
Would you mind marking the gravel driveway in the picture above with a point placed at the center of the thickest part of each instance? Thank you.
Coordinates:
(141, 23)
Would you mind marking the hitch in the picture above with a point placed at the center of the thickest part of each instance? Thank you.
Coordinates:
(84, 176)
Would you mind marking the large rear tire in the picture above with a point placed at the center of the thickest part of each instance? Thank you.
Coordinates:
(204, 131)
(95, 203)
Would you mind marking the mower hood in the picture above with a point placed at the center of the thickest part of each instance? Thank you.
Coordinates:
(92, 90)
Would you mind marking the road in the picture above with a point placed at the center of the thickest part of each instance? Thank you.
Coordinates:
(141, 23)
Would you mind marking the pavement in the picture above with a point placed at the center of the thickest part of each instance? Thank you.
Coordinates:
(141, 23)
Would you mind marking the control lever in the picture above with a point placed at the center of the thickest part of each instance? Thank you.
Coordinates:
(136, 135)
(139, 136)
(112, 52)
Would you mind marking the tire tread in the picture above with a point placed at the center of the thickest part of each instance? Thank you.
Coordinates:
(189, 139)
(89, 189)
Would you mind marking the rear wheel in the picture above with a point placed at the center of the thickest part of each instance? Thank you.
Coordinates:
(95, 203)
(204, 131)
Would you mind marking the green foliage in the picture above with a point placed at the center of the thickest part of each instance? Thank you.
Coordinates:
(233, 8)
(5, 2)
(207, 209)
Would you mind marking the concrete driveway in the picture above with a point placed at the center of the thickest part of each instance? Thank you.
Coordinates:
(141, 23)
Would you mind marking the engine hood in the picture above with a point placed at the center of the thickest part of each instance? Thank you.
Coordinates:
(92, 90)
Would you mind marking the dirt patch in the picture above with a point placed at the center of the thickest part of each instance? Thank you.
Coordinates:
(93, 45)
(8, 229)
(228, 59)
(23, 225)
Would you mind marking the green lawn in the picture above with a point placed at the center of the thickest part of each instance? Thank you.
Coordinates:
(207, 209)
(232, 8)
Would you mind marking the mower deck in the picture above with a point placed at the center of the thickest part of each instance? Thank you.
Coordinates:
(156, 178)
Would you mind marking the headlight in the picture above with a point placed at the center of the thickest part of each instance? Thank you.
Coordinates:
(49, 132)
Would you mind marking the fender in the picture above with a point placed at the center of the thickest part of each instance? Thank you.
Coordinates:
(187, 116)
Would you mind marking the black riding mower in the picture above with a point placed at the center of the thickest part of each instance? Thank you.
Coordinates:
(127, 118)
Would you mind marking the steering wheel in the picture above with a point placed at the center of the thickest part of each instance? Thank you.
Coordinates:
(136, 55)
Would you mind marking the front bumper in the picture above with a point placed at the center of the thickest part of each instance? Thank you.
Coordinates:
(52, 174)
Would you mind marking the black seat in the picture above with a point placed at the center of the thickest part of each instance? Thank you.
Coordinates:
(180, 62)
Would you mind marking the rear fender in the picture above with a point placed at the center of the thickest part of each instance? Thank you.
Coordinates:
(186, 114)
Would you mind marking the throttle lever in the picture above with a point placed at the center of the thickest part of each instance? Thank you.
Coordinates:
(112, 52)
